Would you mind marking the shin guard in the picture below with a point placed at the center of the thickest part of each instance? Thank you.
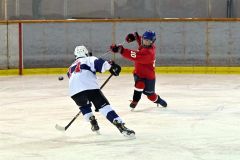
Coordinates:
(86, 111)
(109, 113)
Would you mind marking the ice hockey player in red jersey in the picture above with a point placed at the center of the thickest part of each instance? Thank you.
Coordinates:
(144, 61)
(85, 91)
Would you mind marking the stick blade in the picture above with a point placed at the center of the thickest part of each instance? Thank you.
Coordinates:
(60, 128)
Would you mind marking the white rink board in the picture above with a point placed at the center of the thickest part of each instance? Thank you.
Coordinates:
(201, 122)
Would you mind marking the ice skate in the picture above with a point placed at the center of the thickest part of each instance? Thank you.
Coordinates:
(162, 102)
(133, 105)
(94, 123)
(124, 130)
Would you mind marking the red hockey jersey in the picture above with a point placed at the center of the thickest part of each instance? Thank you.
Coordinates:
(144, 60)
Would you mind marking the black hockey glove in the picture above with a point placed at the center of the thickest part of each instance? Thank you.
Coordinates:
(115, 69)
(116, 48)
(130, 37)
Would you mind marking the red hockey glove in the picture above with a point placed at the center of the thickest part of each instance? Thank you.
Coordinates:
(130, 37)
(116, 48)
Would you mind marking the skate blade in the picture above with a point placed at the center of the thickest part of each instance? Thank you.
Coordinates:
(132, 109)
(131, 136)
(158, 105)
(97, 132)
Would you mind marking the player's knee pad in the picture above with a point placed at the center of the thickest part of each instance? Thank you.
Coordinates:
(109, 113)
(85, 109)
(139, 86)
(153, 97)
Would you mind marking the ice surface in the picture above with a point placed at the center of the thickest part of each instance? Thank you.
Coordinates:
(202, 121)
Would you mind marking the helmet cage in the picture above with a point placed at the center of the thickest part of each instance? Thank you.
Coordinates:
(80, 52)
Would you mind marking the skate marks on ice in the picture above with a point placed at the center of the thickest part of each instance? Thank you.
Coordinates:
(64, 140)
(197, 124)
(195, 114)
(178, 112)
(79, 137)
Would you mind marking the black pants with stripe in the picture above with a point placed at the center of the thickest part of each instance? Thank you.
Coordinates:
(95, 96)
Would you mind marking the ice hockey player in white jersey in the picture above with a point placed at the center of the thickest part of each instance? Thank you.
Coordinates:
(85, 91)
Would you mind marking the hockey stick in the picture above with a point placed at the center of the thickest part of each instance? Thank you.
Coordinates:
(61, 128)
(106, 81)
(110, 50)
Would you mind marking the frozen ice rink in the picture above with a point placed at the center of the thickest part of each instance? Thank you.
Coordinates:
(202, 121)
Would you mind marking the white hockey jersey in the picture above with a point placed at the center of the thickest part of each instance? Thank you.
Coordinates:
(82, 74)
